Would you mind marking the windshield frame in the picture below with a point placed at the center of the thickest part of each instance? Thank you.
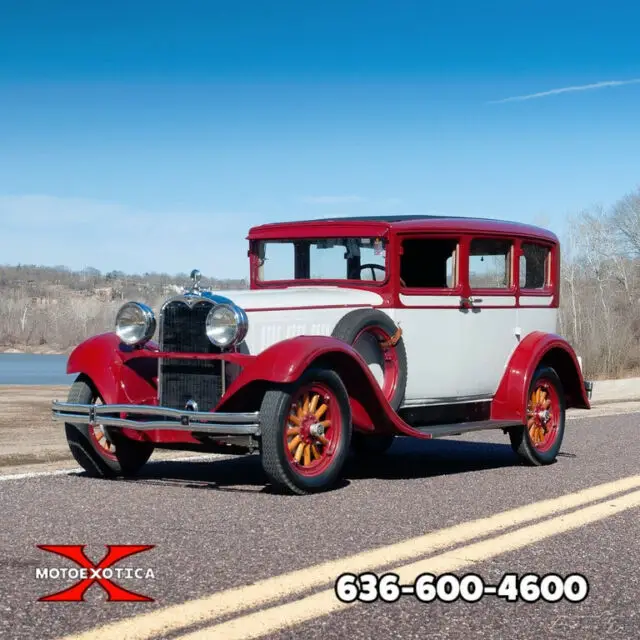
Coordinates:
(255, 253)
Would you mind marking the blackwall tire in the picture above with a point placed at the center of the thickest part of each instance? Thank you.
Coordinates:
(294, 458)
(101, 452)
(538, 443)
(366, 330)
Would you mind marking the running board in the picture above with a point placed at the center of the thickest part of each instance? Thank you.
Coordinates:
(444, 430)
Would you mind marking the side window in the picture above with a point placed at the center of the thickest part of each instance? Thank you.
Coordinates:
(534, 266)
(490, 264)
(429, 263)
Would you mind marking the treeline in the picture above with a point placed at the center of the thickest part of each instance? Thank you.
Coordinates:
(600, 295)
(58, 308)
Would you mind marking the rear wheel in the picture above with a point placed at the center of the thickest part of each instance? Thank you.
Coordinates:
(306, 430)
(100, 451)
(539, 442)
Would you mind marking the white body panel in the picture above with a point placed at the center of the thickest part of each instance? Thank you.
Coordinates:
(432, 341)
(488, 338)
(452, 354)
(276, 315)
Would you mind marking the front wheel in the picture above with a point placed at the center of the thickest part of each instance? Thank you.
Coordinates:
(538, 443)
(306, 430)
(100, 451)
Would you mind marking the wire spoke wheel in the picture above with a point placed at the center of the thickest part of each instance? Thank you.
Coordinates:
(312, 431)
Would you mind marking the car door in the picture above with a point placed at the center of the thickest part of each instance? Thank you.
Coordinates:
(488, 328)
(429, 316)
(538, 282)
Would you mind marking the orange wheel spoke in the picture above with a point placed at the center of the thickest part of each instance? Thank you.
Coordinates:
(314, 403)
(321, 411)
(299, 451)
(294, 443)
(300, 412)
(307, 455)
(295, 420)
(305, 406)
(293, 431)
(316, 453)
(326, 423)
(323, 440)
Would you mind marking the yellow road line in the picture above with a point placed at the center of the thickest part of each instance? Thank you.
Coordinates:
(277, 618)
(264, 592)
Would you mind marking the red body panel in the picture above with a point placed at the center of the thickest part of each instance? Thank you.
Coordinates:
(124, 375)
(129, 376)
(284, 362)
(538, 348)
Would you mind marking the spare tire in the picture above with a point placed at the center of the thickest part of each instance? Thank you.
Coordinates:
(378, 340)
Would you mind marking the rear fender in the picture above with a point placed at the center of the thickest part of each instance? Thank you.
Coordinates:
(538, 349)
(284, 362)
(118, 372)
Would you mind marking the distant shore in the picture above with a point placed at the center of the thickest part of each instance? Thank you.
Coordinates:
(43, 350)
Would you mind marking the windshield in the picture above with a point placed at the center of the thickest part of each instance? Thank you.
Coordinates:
(322, 259)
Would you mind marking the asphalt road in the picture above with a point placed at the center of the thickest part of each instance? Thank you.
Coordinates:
(216, 527)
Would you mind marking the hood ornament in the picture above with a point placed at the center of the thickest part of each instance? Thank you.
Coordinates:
(196, 276)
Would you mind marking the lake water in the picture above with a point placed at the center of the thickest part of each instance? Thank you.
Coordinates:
(30, 368)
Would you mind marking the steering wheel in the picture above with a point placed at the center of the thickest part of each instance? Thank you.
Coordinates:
(372, 266)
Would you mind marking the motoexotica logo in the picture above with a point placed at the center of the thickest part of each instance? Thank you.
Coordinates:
(87, 573)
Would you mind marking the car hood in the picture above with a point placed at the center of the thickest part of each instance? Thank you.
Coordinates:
(300, 297)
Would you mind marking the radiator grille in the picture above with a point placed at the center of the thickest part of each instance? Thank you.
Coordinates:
(183, 330)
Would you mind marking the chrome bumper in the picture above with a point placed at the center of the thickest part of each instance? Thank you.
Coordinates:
(171, 419)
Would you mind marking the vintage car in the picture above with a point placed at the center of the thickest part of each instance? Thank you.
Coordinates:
(353, 331)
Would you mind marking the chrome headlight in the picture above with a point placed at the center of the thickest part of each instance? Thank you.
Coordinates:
(135, 323)
(226, 325)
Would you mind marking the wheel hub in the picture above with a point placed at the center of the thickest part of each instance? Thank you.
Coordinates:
(539, 415)
(306, 433)
(316, 429)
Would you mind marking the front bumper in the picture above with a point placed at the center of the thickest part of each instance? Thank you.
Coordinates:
(138, 417)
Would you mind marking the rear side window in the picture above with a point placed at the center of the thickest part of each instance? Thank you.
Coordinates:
(428, 263)
(534, 266)
(490, 264)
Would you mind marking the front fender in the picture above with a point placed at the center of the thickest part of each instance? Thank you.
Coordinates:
(538, 349)
(118, 371)
(285, 361)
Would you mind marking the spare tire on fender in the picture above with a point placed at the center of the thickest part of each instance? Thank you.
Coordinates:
(378, 340)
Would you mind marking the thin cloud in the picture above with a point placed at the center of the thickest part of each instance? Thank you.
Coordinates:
(553, 92)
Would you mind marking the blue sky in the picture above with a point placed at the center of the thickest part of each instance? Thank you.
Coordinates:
(150, 136)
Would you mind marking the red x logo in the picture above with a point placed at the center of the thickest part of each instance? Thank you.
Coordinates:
(115, 553)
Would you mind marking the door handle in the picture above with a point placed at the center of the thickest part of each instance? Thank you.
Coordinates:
(469, 302)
